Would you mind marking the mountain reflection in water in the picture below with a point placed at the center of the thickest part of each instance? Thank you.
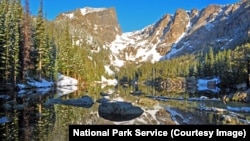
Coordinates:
(26, 116)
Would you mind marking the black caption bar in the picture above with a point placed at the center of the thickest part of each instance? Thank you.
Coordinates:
(168, 131)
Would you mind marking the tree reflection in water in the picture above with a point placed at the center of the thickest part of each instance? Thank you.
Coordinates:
(28, 118)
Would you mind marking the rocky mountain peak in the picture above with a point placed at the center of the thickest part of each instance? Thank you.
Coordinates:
(193, 13)
(189, 32)
(178, 26)
(217, 26)
(99, 23)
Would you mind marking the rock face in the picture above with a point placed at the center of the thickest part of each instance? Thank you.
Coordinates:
(173, 30)
(187, 32)
(96, 24)
(220, 27)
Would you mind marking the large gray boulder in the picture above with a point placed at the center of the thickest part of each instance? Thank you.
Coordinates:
(119, 111)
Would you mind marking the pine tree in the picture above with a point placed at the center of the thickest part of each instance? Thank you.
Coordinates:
(65, 50)
(52, 62)
(15, 67)
(3, 11)
(10, 41)
(26, 45)
(8, 45)
(40, 43)
(200, 69)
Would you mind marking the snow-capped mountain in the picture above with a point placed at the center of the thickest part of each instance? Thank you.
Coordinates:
(185, 32)
(217, 26)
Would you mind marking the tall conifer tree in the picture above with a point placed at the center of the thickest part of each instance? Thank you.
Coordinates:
(40, 42)
(26, 42)
(3, 11)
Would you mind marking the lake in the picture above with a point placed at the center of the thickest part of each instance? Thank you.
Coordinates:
(44, 114)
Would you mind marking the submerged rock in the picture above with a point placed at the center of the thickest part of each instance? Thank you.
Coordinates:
(84, 101)
(147, 102)
(119, 111)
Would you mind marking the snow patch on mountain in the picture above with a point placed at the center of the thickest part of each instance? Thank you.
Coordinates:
(88, 10)
(171, 52)
(69, 15)
(131, 46)
(84, 11)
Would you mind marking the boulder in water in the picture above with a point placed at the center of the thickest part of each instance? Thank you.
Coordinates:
(119, 111)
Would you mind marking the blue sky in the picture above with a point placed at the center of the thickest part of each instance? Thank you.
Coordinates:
(132, 14)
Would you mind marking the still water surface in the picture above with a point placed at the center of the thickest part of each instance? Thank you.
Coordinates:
(25, 116)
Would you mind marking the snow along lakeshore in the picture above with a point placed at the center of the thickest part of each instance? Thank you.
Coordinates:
(61, 82)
